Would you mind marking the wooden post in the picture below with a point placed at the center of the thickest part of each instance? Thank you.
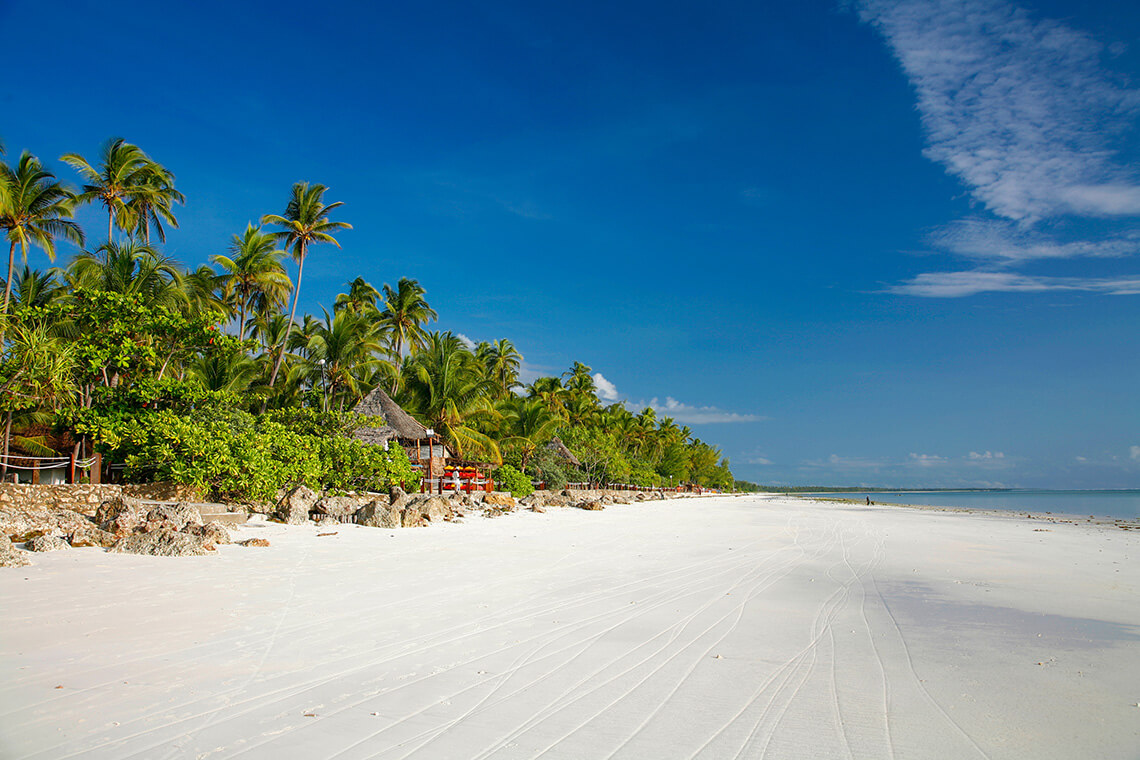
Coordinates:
(71, 467)
(97, 468)
(36, 473)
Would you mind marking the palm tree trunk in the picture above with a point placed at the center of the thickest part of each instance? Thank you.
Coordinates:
(7, 438)
(8, 287)
(241, 321)
(289, 327)
(110, 222)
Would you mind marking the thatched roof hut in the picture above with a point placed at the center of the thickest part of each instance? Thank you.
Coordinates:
(398, 423)
(558, 447)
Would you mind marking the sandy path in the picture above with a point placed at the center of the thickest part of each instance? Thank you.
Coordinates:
(716, 628)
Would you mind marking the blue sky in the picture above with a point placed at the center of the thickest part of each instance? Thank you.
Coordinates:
(876, 242)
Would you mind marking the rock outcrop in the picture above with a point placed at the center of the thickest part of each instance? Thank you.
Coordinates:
(47, 544)
(172, 517)
(294, 507)
(10, 556)
(163, 543)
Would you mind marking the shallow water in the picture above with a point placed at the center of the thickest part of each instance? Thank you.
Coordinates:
(1124, 503)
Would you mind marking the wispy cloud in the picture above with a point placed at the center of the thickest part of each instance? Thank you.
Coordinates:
(968, 283)
(1023, 112)
(1134, 453)
(685, 414)
(1018, 108)
(1004, 244)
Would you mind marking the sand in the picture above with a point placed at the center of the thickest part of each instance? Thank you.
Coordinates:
(712, 628)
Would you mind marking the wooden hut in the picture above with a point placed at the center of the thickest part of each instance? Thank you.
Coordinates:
(423, 447)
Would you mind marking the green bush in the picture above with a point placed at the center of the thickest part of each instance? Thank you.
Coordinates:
(232, 455)
(507, 478)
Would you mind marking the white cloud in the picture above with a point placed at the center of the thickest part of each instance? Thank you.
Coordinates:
(465, 340)
(696, 415)
(972, 282)
(760, 460)
(1005, 243)
(927, 460)
(987, 455)
(1019, 109)
(1022, 112)
(1134, 453)
(607, 391)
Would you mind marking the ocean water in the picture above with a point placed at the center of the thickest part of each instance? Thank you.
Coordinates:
(1123, 504)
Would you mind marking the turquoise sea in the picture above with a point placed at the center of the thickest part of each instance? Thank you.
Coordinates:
(1124, 503)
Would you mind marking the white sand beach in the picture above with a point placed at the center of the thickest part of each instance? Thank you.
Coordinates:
(697, 628)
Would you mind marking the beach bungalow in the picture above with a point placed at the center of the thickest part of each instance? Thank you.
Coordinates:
(424, 449)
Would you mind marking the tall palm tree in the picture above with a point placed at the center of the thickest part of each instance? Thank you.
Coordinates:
(579, 379)
(151, 202)
(360, 299)
(502, 362)
(304, 223)
(254, 277)
(37, 210)
(121, 176)
(405, 313)
(447, 390)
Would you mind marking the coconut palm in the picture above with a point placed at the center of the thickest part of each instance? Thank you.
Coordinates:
(304, 223)
(447, 390)
(37, 210)
(346, 343)
(404, 314)
(31, 288)
(501, 360)
(254, 279)
(132, 268)
(552, 393)
(360, 299)
(151, 202)
(122, 176)
(579, 379)
(530, 424)
(38, 375)
(232, 371)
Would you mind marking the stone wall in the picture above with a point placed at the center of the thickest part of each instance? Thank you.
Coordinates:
(86, 498)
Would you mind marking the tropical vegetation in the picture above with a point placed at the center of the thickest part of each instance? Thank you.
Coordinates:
(201, 376)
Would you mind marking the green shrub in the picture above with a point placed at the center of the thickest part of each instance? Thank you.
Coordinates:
(507, 478)
(232, 455)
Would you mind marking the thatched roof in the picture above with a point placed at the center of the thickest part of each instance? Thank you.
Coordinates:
(558, 447)
(400, 424)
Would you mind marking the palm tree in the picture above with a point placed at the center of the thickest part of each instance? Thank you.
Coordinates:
(531, 424)
(579, 379)
(132, 268)
(38, 375)
(123, 174)
(151, 202)
(204, 292)
(501, 360)
(304, 223)
(360, 298)
(447, 390)
(37, 210)
(31, 288)
(345, 343)
(552, 393)
(232, 371)
(254, 278)
(404, 315)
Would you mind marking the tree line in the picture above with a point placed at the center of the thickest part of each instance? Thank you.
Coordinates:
(124, 351)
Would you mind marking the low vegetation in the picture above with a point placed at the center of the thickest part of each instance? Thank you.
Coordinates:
(200, 376)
